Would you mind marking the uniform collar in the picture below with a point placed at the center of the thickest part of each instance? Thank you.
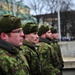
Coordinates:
(8, 47)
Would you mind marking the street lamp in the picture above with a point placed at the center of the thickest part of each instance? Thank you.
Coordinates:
(58, 11)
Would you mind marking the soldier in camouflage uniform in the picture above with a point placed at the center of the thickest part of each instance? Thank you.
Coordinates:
(57, 47)
(30, 49)
(47, 54)
(12, 61)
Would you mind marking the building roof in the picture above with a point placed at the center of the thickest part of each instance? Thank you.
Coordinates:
(9, 1)
(22, 4)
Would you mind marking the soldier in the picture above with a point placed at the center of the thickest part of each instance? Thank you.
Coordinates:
(29, 45)
(57, 47)
(12, 61)
(48, 57)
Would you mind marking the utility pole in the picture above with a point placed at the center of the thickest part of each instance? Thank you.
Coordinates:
(58, 10)
(14, 10)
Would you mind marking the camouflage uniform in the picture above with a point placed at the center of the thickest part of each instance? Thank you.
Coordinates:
(12, 62)
(48, 58)
(30, 51)
(57, 48)
(58, 51)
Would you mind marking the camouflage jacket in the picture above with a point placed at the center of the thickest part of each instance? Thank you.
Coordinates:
(12, 61)
(58, 50)
(30, 52)
(48, 59)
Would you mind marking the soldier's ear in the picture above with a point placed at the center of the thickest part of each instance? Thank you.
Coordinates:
(3, 36)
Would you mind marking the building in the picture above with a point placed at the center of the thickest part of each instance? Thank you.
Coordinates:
(49, 19)
(67, 22)
(18, 9)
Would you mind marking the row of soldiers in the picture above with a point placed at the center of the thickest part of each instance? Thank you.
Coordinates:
(28, 49)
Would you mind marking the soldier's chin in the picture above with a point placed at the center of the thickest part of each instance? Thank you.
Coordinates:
(20, 44)
(34, 42)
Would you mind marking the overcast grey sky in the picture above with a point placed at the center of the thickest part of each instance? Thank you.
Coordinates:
(27, 2)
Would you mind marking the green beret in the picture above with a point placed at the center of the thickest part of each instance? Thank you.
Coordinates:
(43, 29)
(54, 30)
(30, 27)
(9, 23)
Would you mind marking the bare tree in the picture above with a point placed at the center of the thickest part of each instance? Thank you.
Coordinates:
(48, 6)
(36, 5)
(65, 8)
(66, 5)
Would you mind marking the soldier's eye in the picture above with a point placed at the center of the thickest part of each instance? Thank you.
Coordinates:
(17, 31)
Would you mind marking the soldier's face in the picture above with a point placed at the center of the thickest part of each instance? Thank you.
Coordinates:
(49, 34)
(32, 37)
(55, 35)
(16, 37)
